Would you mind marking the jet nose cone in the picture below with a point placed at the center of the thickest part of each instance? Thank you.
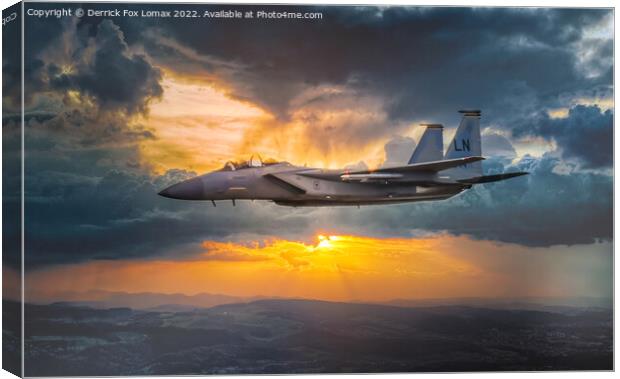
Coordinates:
(191, 189)
(166, 193)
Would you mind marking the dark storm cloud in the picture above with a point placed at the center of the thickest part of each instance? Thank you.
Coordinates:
(426, 62)
(89, 198)
(82, 157)
(542, 209)
(79, 210)
(115, 77)
(38, 36)
(93, 58)
(587, 134)
(118, 215)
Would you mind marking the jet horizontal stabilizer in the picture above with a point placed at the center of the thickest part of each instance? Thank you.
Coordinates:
(435, 166)
(491, 178)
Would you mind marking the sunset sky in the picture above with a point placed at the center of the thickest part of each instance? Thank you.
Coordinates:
(119, 108)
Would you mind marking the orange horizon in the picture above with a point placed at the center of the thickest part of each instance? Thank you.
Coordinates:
(342, 268)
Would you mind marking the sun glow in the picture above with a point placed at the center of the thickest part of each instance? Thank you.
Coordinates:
(198, 127)
(325, 242)
(337, 267)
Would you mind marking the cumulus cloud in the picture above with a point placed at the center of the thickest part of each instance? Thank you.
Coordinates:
(447, 58)
(106, 70)
(99, 212)
(542, 209)
(330, 125)
(398, 150)
(586, 133)
(498, 146)
(89, 203)
(228, 252)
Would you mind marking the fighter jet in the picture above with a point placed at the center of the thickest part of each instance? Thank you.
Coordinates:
(428, 175)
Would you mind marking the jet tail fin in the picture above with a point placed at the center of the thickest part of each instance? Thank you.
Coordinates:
(466, 143)
(430, 147)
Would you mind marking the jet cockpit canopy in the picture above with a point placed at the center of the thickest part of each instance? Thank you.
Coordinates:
(254, 161)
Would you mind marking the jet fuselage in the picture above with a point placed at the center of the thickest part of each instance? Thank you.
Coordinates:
(428, 175)
(300, 186)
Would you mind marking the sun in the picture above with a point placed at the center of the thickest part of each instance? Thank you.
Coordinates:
(326, 242)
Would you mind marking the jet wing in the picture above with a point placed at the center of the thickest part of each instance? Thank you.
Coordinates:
(434, 166)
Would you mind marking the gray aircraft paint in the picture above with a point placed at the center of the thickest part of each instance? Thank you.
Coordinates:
(466, 142)
(430, 147)
(428, 176)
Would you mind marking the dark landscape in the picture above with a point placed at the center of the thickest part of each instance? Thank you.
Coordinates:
(303, 336)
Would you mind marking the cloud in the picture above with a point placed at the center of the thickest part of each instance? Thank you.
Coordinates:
(448, 58)
(91, 197)
(398, 150)
(544, 208)
(106, 70)
(498, 146)
(349, 268)
(586, 133)
(432, 61)
(84, 126)
(98, 212)
(228, 252)
(79, 210)
(331, 127)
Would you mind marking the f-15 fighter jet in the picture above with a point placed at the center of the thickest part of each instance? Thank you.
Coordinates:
(428, 175)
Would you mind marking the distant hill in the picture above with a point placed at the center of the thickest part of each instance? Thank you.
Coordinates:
(178, 302)
(144, 300)
(304, 336)
(533, 303)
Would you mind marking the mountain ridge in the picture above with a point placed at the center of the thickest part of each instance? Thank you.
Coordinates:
(179, 301)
